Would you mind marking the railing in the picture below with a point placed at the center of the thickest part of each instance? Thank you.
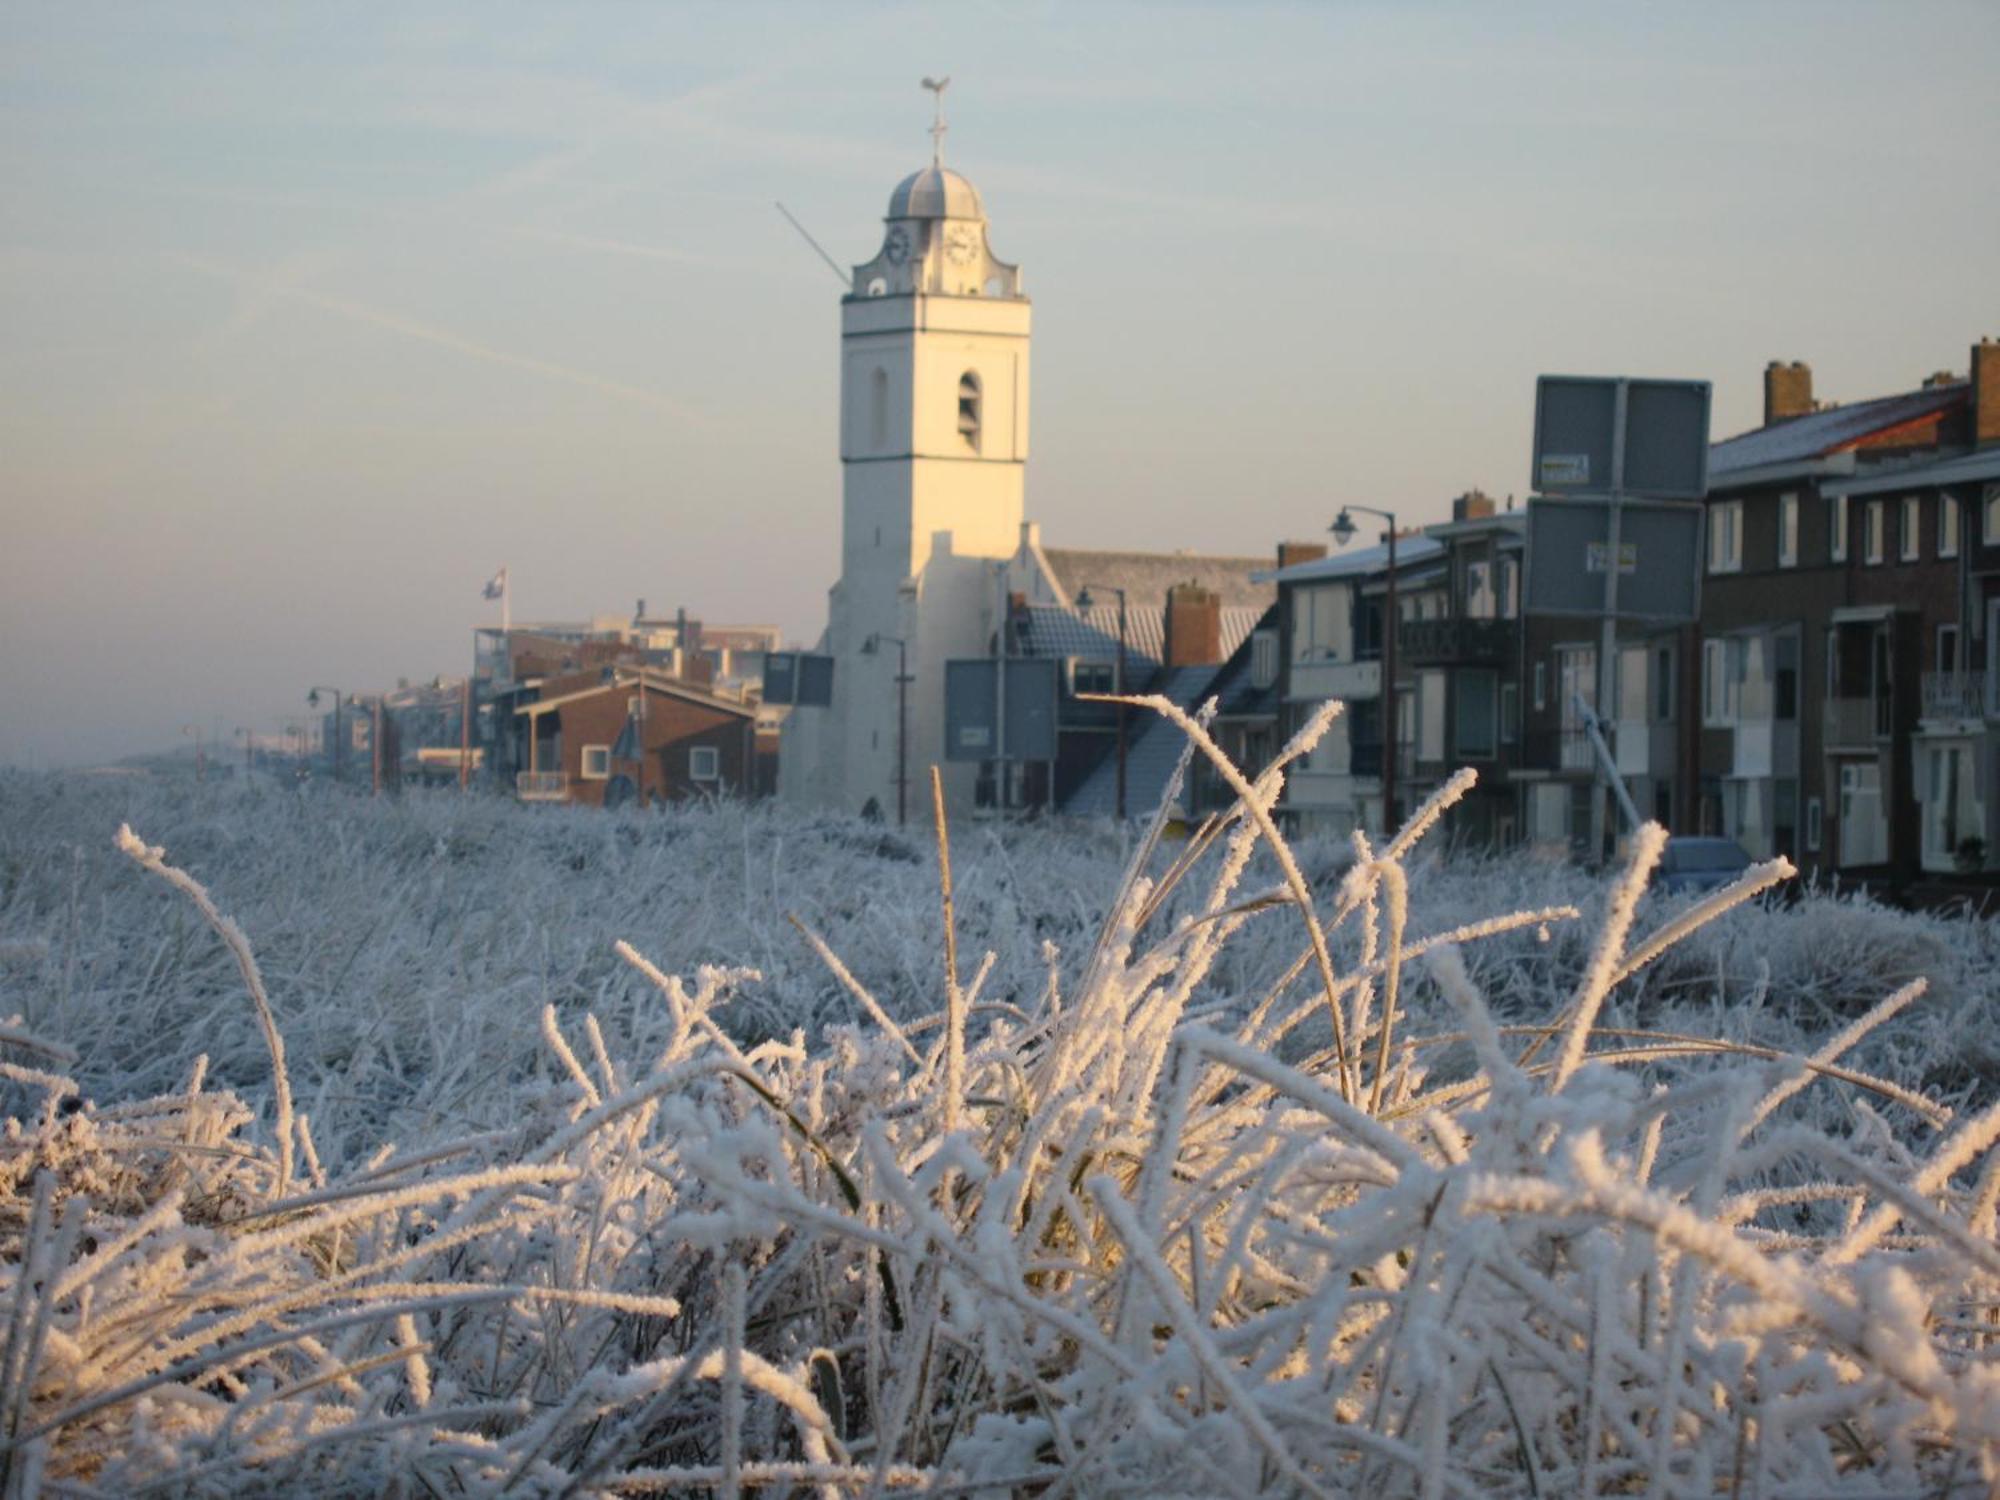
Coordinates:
(1954, 695)
(1557, 750)
(1857, 721)
(1484, 641)
(542, 786)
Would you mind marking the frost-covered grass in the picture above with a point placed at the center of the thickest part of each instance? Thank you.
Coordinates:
(1135, 1168)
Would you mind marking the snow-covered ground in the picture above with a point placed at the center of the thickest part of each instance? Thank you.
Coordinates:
(1117, 1209)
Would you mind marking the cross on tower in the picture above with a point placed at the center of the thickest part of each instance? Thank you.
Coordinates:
(937, 86)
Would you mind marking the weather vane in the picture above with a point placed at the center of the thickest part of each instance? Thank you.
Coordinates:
(938, 127)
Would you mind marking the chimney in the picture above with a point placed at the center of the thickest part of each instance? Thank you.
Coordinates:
(1471, 506)
(1194, 626)
(1300, 552)
(1986, 392)
(1942, 377)
(1787, 390)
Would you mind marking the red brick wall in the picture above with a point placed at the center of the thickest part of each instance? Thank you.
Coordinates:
(674, 726)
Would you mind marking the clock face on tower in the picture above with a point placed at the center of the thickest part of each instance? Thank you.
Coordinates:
(897, 246)
(959, 243)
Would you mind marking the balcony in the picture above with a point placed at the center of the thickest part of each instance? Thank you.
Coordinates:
(542, 786)
(1557, 750)
(1476, 642)
(1956, 695)
(1857, 723)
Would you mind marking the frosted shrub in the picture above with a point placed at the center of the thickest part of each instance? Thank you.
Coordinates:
(1267, 1179)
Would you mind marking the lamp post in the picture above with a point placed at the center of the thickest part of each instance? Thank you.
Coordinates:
(339, 727)
(249, 742)
(200, 760)
(1084, 602)
(1343, 529)
(869, 647)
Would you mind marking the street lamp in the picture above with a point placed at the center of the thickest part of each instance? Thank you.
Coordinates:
(869, 647)
(339, 727)
(200, 760)
(1083, 602)
(1343, 530)
(249, 741)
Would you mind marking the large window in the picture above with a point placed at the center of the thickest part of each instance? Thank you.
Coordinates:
(1430, 716)
(1725, 536)
(1836, 529)
(1909, 533)
(1788, 531)
(1718, 698)
(1322, 620)
(1949, 526)
(1476, 729)
(1875, 545)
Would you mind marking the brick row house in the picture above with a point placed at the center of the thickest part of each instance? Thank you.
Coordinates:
(1843, 631)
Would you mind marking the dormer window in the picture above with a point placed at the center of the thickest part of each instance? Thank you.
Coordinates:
(968, 409)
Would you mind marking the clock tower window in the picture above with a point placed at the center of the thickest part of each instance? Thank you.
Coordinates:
(968, 409)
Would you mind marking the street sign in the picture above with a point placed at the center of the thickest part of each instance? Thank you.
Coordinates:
(972, 697)
(1659, 559)
(798, 677)
(1661, 452)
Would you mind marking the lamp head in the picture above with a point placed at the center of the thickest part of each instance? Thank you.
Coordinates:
(870, 646)
(312, 699)
(1084, 601)
(1342, 527)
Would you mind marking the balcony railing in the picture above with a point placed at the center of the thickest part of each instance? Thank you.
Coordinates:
(1486, 642)
(1857, 722)
(1956, 695)
(542, 786)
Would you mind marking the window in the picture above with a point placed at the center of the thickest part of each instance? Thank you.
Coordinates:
(1990, 512)
(1788, 531)
(1092, 676)
(1322, 624)
(1875, 544)
(1541, 684)
(1725, 536)
(1815, 824)
(1718, 686)
(1912, 513)
(1629, 691)
(1430, 716)
(1481, 603)
(1836, 529)
(1785, 680)
(1949, 526)
(1510, 588)
(1947, 650)
(968, 409)
(1663, 685)
(704, 763)
(1263, 658)
(1510, 712)
(596, 762)
(1476, 726)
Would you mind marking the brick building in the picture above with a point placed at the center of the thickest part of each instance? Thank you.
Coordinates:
(613, 736)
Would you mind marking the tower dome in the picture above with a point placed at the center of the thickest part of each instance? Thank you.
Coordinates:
(936, 192)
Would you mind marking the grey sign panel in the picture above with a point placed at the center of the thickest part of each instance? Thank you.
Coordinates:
(971, 695)
(1031, 708)
(1665, 452)
(1659, 559)
(798, 677)
(970, 705)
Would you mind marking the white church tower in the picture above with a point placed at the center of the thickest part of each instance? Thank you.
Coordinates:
(933, 448)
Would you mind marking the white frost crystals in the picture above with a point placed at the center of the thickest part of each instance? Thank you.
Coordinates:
(1146, 1230)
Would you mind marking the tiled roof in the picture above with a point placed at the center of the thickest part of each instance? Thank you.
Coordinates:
(1150, 754)
(1820, 433)
(1146, 576)
(1093, 633)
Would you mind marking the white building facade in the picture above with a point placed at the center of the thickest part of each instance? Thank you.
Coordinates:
(933, 449)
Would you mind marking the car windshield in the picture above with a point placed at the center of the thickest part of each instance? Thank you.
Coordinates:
(1707, 854)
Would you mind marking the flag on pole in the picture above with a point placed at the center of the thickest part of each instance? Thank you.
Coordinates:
(496, 586)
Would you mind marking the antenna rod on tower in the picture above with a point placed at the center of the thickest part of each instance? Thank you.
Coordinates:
(832, 264)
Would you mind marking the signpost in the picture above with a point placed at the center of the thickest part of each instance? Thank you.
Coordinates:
(1601, 441)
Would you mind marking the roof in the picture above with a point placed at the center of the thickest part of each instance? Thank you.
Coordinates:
(1983, 463)
(1822, 434)
(655, 682)
(1411, 551)
(1150, 755)
(935, 193)
(1146, 576)
(1056, 630)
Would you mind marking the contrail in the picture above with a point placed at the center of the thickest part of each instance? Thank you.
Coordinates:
(444, 338)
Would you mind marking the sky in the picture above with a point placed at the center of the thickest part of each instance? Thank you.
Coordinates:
(317, 315)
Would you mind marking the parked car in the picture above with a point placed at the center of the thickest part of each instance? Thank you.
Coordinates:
(1699, 864)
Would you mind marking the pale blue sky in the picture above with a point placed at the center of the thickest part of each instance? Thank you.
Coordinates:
(316, 316)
